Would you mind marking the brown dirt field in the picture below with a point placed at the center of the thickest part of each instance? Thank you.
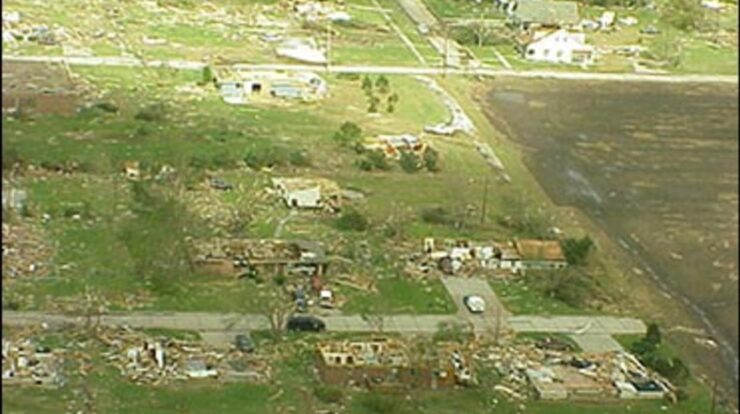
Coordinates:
(655, 167)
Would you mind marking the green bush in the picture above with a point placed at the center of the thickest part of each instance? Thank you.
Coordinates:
(380, 403)
(374, 160)
(431, 160)
(436, 215)
(260, 156)
(328, 395)
(409, 162)
(299, 158)
(348, 135)
(207, 75)
(353, 220)
(279, 279)
(383, 84)
(577, 250)
(151, 113)
(367, 84)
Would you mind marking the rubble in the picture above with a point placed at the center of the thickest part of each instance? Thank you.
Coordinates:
(241, 87)
(393, 145)
(146, 360)
(248, 257)
(26, 250)
(304, 50)
(315, 193)
(546, 373)
(387, 363)
(25, 363)
(467, 257)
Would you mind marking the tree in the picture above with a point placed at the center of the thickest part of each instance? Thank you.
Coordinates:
(685, 15)
(374, 160)
(373, 102)
(353, 220)
(409, 162)
(207, 75)
(348, 134)
(277, 310)
(653, 334)
(577, 250)
(155, 238)
(367, 84)
(667, 49)
(383, 84)
(392, 101)
(431, 159)
(373, 318)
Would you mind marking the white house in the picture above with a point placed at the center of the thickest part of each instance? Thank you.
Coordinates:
(559, 46)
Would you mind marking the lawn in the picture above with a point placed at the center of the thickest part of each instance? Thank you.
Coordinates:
(521, 298)
(401, 295)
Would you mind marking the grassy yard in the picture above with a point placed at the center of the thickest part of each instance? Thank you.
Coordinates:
(400, 295)
(521, 298)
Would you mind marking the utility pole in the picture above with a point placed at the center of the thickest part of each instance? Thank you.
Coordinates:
(485, 199)
(328, 44)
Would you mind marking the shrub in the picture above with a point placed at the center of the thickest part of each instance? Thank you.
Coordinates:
(382, 84)
(348, 134)
(410, 162)
(353, 220)
(577, 250)
(392, 101)
(279, 279)
(431, 160)
(436, 215)
(207, 75)
(380, 404)
(261, 156)
(328, 395)
(367, 84)
(299, 158)
(373, 102)
(11, 157)
(377, 158)
(151, 113)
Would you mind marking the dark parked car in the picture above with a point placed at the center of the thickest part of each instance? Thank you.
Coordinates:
(244, 343)
(306, 323)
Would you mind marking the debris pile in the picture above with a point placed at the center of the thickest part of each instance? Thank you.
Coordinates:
(27, 364)
(465, 257)
(310, 193)
(547, 373)
(148, 361)
(250, 257)
(459, 121)
(26, 251)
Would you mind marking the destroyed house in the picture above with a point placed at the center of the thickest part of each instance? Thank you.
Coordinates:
(540, 254)
(43, 88)
(310, 193)
(239, 87)
(242, 257)
(393, 145)
(531, 14)
(378, 363)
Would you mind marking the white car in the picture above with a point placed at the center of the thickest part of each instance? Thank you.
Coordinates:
(475, 304)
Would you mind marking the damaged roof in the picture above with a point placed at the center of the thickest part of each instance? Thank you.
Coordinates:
(540, 250)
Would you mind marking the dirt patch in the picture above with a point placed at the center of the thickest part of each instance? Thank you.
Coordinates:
(40, 88)
(655, 166)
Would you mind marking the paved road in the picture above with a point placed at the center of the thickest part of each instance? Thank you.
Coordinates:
(577, 325)
(596, 343)
(389, 70)
(410, 324)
